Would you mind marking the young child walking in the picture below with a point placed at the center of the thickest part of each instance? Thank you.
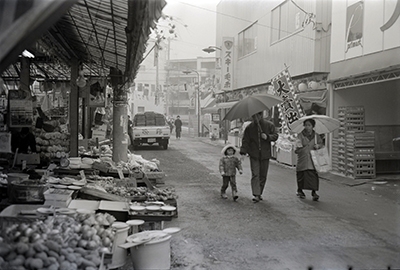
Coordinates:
(227, 167)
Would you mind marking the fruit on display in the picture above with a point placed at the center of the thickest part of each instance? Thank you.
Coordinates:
(59, 242)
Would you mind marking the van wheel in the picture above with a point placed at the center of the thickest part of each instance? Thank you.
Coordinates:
(165, 146)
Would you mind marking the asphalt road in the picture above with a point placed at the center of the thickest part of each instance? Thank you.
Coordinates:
(351, 226)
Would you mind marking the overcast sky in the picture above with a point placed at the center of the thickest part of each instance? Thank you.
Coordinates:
(195, 22)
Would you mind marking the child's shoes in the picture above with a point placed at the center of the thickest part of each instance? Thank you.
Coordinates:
(223, 196)
(235, 196)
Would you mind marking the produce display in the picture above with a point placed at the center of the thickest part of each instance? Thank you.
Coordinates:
(157, 194)
(51, 144)
(61, 242)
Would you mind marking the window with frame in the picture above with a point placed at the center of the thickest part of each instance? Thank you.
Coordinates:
(247, 40)
(286, 19)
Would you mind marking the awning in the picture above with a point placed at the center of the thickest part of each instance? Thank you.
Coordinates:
(100, 34)
(226, 105)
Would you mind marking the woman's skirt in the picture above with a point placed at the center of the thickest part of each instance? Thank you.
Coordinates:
(308, 180)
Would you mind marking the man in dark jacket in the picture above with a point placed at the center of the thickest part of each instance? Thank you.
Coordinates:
(23, 141)
(256, 142)
(178, 127)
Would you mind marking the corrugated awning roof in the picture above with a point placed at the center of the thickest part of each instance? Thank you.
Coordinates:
(99, 33)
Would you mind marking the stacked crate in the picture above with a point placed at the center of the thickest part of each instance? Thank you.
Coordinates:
(361, 155)
(339, 155)
(353, 148)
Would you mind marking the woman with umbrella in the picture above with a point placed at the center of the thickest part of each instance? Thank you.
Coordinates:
(306, 175)
(309, 128)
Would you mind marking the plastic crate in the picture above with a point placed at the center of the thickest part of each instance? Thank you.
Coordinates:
(362, 173)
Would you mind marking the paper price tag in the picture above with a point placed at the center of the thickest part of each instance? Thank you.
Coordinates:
(82, 174)
(120, 173)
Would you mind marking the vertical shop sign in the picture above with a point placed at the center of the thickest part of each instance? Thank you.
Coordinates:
(354, 25)
(227, 63)
(290, 109)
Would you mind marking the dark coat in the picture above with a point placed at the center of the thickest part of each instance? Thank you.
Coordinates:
(252, 139)
(178, 124)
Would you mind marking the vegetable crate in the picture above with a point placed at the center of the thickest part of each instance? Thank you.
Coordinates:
(21, 193)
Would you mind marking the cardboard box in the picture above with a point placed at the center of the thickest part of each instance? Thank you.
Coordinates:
(57, 194)
(33, 158)
(59, 203)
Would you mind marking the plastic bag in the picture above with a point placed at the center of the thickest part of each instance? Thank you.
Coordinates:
(322, 162)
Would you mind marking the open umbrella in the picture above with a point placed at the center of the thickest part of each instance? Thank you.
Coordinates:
(323, 124)
(251, 105)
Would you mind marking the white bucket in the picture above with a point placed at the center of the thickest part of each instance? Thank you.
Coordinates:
(155, 254)
(119, 255)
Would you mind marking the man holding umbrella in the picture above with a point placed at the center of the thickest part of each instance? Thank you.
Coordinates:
(257, 137)
(256, 142)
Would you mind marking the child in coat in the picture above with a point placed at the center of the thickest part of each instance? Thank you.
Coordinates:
(227, 167)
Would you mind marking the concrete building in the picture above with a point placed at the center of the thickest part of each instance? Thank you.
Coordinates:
(144, 95)
(182, 96)
(338, 53)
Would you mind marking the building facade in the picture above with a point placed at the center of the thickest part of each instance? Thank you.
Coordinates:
(338, 53)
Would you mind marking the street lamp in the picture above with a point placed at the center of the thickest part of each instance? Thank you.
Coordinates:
(198, 98)
(211, 49)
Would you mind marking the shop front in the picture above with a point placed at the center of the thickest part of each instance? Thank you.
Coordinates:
(365, 88)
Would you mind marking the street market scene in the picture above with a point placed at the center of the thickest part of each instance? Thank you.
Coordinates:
(199, 135)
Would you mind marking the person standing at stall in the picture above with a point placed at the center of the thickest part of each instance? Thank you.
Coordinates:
(306, 175)
(24, 141)
(178, 127)
(256, 143)
(130, 131)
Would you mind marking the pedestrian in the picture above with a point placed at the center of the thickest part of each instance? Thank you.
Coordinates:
(256, 143)
(227, 167)
(171, 124)
(24, 141)
(130, 129)
(306, 175)
(178, 127)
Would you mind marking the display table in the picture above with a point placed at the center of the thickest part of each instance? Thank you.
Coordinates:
(286, 157)
(234, 139)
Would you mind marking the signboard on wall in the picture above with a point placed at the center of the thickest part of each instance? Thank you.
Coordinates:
(227, 63)
(354, 25)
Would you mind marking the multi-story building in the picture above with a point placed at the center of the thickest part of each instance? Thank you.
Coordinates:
(183, 77)
(148, 91)
(338, 53)
(365, 72)
(257, 41)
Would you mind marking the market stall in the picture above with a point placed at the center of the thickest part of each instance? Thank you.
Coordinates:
(77, 215)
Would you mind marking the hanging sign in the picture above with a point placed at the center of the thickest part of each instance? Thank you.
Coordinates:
(227, 63)
(290, 109)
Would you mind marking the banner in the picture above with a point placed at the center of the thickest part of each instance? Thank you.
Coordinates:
(290, 109)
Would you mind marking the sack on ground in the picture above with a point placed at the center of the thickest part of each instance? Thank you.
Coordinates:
(322, 162)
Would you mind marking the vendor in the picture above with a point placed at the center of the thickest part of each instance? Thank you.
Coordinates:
(23, 141)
